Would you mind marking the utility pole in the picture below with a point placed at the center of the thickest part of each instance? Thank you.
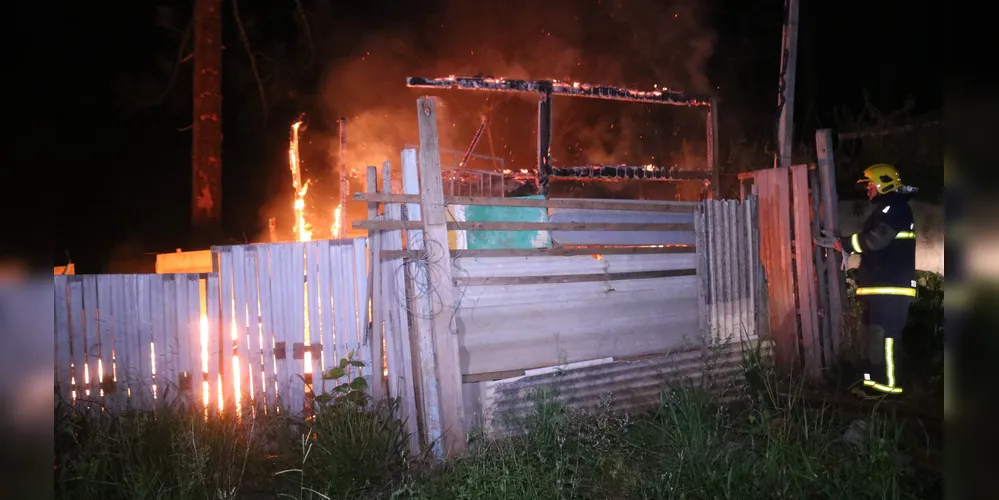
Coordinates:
(785, 100)
(206, 131)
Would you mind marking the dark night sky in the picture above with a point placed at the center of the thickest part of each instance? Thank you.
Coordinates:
(126, 178)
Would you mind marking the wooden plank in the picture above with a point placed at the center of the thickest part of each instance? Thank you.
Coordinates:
(213, 311)
(553, 252)
(122, 330)
(570, 278)
(269, 385)
(162, 302)
(805, 272)
(772, 188)
(835, 278)
(239, 299)
(280, 254)
(126, 331)
(644, 206)
(297, 295)
(397, 345)
(76, 336)
(194, 336)
(314, 366)
(63, 340)
(360, 305)
(382, 225)
(435, 228)
(142, 347)
(703, 276)
(105, 318)
(825, 322)
(375, 323)
(337, 277)
(226, 331)
(424, 365)
(250, 348)
(382, 299)
(181, 338)
(326, 331)
(91, 333)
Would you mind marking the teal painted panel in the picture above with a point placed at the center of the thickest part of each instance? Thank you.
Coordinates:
(483, 240)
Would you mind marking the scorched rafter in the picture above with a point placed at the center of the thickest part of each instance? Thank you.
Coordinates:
(546, 89)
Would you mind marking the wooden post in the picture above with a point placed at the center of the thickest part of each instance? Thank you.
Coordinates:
(789, 65)
(544, 138)
(344, 181)
(397, 339)
(374, 322)
(712, 135)
(422, 334)
(438, 257)
(206, 131)
(835, 279)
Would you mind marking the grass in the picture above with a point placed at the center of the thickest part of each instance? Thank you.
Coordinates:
(766, 444)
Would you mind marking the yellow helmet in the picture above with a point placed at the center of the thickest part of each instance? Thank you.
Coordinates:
(884, 176)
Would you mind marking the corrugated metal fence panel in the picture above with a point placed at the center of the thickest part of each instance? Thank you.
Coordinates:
(632, 385)
(625, 238)
(508, 326)
(732, 280)
(771, 188)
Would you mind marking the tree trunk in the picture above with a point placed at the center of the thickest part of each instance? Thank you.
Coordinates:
(206, 202)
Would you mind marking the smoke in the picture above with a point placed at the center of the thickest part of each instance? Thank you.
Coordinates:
(632, 43)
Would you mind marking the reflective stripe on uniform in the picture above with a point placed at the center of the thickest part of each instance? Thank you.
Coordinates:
(905, 235)
(855, 242)
(883, 388)
(886, 290)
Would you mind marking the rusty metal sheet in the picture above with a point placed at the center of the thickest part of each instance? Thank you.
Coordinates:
(771, 187)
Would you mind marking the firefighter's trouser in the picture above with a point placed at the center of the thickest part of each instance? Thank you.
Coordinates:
(883, 319)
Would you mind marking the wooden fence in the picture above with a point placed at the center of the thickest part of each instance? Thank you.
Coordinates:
(611, 280)
(807, 290)
(257, 333)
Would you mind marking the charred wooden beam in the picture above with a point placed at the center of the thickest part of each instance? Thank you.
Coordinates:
(544, 136)
(206, 131)
(471, 146)
(558, 88)
(644, 172)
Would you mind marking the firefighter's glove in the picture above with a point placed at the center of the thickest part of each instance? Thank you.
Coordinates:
(827, 239)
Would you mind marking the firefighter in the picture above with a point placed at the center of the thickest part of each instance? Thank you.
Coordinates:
(886, 277)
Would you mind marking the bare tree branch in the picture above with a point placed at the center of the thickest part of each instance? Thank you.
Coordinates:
(308, 31)
(184, 39)
(253, 59)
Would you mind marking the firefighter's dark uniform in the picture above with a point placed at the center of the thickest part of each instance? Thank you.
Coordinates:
(886, 284)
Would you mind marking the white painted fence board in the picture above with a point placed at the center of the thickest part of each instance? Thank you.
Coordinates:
(212, 313)
(92, 337)
(180, 340)
(329, 357)
(162, 303)
(145, 296)
(121, 333)
(194, 337)
(315, 335)
(360, 304)
(239, 300)
(337, 276)
(225, 337)
(77, 349)
(105, 320)
(297, 334)
(280, 274)
(63, 345)
(254, 345)
(267, 324)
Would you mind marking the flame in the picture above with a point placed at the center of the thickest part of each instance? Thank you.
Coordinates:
(337, 220)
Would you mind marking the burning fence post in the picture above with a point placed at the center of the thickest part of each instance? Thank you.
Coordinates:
(344, 182)
(712, 156)
(272, 229)
(544, 137)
